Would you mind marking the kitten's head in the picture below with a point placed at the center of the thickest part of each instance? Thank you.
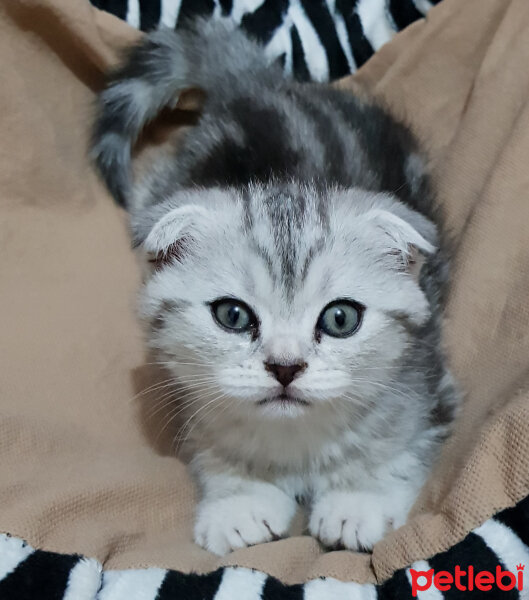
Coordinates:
(280, 300)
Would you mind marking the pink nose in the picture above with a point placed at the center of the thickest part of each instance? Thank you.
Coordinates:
(285, 373)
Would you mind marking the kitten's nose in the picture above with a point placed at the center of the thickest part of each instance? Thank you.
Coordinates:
(285, 373)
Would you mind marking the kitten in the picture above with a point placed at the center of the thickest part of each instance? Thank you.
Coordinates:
(295, 288)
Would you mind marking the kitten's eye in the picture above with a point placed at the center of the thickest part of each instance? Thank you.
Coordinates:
(233, 315)
(340, 318)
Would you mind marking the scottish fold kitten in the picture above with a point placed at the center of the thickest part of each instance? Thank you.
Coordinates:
(294, 288)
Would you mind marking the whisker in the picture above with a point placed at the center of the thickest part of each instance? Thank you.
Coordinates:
(152, 388)
(188, 421)
(202, 418)
(164, 401)
(174, 381)
(182, 407)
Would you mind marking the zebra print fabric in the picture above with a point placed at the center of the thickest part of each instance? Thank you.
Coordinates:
(27, 574)
(317, 40)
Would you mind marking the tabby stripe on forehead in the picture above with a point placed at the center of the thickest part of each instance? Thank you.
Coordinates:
(267, 259)
(247, 210)
(314, 250)
(322, 206)
(288, 254)
(284, 218)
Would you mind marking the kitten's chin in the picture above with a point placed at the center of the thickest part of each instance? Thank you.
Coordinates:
(283, 405)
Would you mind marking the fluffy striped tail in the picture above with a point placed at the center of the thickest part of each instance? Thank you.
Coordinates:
(211, 56)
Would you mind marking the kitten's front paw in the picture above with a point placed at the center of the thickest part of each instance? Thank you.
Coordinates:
(244, 520)
(356, 520)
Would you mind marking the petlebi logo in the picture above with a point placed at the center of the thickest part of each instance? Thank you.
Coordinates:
(467, 580)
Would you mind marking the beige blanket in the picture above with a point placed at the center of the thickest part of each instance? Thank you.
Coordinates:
(80, 468)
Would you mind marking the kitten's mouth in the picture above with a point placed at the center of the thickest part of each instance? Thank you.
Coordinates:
(283, 399)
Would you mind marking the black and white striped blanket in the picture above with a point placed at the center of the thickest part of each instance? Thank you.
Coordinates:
(501, 542)
(317, 40)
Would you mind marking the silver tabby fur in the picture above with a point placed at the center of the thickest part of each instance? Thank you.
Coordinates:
(286, 196)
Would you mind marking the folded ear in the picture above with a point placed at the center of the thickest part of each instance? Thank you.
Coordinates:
(173, 236)
(408, 236)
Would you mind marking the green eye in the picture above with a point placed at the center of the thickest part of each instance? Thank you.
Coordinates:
(340, 318)
(233, 315)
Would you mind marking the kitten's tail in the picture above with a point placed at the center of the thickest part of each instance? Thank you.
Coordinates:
(212, 56)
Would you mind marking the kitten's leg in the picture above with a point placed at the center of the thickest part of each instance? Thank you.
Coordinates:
(358, 515)
(235, 512)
